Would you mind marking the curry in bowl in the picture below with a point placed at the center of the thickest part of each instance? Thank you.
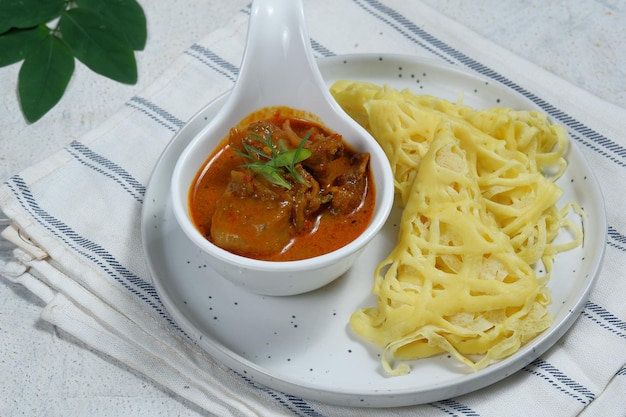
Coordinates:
(282, 187)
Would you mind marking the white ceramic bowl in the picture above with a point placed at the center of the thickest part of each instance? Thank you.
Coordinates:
(278, 69)
(289, 277)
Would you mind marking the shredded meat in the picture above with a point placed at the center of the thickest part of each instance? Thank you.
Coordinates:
(349, 188)
(324, 150)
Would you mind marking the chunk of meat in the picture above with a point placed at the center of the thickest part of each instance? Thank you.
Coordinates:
(349, 187)
(261, 129)
(249, 212)
(324, 150)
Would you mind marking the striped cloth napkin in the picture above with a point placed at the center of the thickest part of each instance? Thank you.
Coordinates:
(82, 209)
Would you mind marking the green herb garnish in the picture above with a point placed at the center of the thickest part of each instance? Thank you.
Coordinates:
(279, 162)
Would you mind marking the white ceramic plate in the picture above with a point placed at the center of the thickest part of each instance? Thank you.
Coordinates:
(303, 345)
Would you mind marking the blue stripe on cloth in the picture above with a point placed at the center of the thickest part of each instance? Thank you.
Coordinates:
(616, 239)
(420, 37)
(90, 250)
(303, 407)
(593, 146)
(321, 49)
(406, 28)
(564, 384)
(220, 65)
(108, 169)
(219, 61)
(605, 319)
(213, 61)
(454, 408)
(156, 113)
(296, 405)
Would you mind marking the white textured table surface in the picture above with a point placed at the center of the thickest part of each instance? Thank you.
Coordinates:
(45, 372)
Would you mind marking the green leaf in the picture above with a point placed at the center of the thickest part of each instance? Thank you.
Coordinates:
(126, 16)
(271, 174)
(23, 14)
(98, 45)
(43, 77)
(15, 43)
(291, 157)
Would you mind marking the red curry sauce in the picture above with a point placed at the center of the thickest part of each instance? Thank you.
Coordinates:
(246, 214)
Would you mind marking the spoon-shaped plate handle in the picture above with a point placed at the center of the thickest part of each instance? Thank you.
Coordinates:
(278, 62)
